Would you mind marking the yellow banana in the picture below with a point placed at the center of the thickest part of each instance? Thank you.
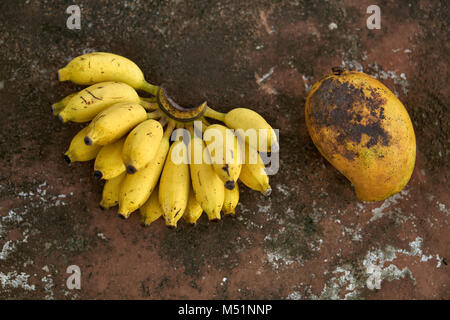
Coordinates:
(79, 151)
(87, 103)
(96, 67)
(174, 184)
(110, 196)
(114, 122)
(208, 188)
(253, 173)
(108, 163)
(141, 145)
(260, 136)
(231, 200)
(225, 152)
(193, 209)
(57, 107)
(136, 188)
(151, 210)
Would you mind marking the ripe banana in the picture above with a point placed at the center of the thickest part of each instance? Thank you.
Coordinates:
(108, 163)
(193, 209)
(225, 152)
(231, 200)
(208, 188)
(136, 188)
(174, 184)
(151, 210)
(57, 107)
(261, 135)
(87, 103)
(253, 173)
(79, 151)
(96, 67)
(141, 145)
(110, 196)
(112, 123)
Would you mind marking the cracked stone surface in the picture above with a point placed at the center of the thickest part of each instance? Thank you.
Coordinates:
(311, 239)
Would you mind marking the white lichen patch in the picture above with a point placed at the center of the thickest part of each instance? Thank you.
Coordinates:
(15, 280)
(355, 233)
(348, 281)
(283, 190)
(7, 249)
(400, 80)
(276, 260)
(294, 295)
(381, 211)
(442, 208)
(48, 287)
(306, 83)
(16, 219)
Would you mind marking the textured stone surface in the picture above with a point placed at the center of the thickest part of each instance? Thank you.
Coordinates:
(311, 238)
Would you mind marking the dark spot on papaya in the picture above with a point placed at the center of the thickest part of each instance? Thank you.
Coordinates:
(333, 106)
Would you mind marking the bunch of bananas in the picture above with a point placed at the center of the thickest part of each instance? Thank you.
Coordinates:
(139, 141)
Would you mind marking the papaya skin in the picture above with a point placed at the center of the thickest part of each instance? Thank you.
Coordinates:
(364, 131)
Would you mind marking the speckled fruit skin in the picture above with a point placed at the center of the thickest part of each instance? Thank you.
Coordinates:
(364, 131)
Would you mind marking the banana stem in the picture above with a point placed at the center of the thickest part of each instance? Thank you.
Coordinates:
(151, 99)
(150, 88)
(205, 122)
(154, 115)
(57, 107)
(180, 132)
(148, 105)
(169, 129)
(163, 121)
(190, 128)
(213, 114)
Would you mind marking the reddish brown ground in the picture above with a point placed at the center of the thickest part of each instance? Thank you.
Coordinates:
(311, 238)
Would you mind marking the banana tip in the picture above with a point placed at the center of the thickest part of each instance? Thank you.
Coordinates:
(87, 140)
(215, 220)
(62, 74)
(122, 216)
(230, 185)
(67, 158)
(61, 118)
(98, 174)
(101, 207)
(131, 169)
(267, 192)
(170, 226)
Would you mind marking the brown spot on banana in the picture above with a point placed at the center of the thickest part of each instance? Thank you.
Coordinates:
(175, 111)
